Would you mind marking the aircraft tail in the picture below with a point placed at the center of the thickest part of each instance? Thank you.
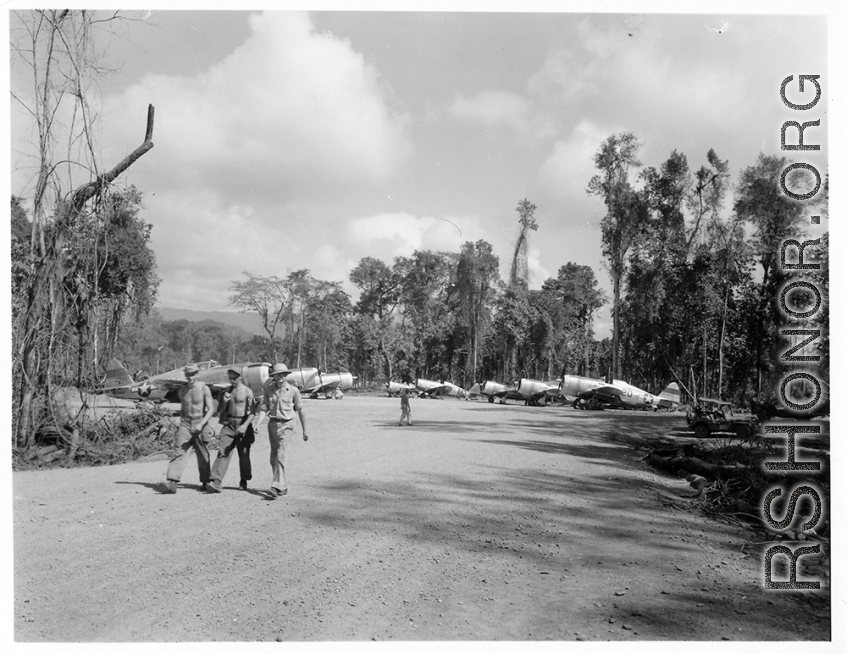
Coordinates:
(670, 394)
(116, 375)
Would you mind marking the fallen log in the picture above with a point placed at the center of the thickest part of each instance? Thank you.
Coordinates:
(43, 451)
(700, 467)
(52, 456)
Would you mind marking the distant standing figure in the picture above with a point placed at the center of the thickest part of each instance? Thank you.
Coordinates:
(194, 431)
(405, 409)
(237, 433)
(281, 401)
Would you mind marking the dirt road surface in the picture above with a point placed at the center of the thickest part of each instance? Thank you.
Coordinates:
(479, 522)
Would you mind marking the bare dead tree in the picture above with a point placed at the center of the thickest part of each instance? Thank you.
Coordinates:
(57, 50)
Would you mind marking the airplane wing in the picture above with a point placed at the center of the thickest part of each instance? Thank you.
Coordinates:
(512, 394)
(604, 393)
(171, 384)
(168, 384)
(325, 388)
(544, 393)
(494, 390)
(436, 390)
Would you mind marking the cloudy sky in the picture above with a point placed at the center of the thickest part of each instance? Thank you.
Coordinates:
(288, 140)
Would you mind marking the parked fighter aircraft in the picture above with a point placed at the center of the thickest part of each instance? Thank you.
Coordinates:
(118, 382)
(428, 388)
(393, 388)
(586, 391)
(534, 392)
(314, 382)
(529, 391)
(492, 390)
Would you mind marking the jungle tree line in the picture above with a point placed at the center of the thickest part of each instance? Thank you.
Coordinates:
(695, 285)
(442, 315)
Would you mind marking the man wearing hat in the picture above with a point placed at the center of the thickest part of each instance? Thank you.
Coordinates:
(194, 430)
(281, 401)
(236, 410)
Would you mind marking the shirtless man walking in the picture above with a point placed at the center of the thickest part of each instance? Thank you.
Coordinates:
(236, 414)
(194, 430)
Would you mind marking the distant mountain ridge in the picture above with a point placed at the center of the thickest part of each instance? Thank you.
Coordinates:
(249, 321)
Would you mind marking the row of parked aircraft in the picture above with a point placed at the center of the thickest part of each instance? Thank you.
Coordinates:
(164, 387)
(583, 392)
(427, 388)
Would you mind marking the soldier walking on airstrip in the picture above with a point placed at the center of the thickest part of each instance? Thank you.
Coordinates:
(237, 433)
(194, 431)
(281, 401)
(405, 409)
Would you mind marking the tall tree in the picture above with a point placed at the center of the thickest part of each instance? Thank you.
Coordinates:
(427, 320)
(379, 286)
(379, 297)
(519, 275)
(575, 289)
(774, 216)
(267, 296)
(707, 196)
(476, 276)
(329, 310)
(626, 213)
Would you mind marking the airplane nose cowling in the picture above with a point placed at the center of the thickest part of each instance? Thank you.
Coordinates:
(255, 376)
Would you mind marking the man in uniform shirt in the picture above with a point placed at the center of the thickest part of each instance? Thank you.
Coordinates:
(236, 411)
(196, 408)
(281, 401)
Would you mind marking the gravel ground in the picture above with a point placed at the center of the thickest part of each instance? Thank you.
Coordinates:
(480, 522)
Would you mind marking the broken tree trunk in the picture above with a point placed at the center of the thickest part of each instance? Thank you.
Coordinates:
(84, 193)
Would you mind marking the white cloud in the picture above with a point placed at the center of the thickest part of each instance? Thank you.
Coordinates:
(400, 234)
(568, 168)
(643, 80)
(202, 245)
(538, 274)
(289, 113)
(491, 108)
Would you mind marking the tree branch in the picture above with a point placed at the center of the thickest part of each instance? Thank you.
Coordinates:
(84, 193)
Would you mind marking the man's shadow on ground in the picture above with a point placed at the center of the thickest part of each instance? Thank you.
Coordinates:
(159, 487)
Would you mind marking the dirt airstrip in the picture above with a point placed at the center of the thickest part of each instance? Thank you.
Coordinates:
(480, 522)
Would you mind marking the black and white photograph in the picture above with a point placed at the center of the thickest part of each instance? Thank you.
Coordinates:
(433, 325)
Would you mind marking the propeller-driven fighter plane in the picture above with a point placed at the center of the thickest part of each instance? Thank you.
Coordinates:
(528, 391)
(165, 386)
(586, 392)
(393, 388)
(492, 390)
(534, 392)
(315, 382)
(428, 388)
